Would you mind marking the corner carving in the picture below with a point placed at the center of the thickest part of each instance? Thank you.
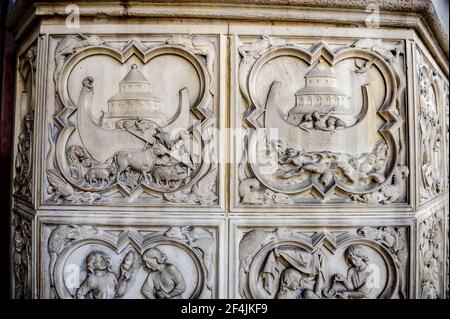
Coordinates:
(23, 160)
(21, 257)
(431, 257)
(430, 106)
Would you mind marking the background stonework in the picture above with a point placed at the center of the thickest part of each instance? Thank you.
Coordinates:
(230, 157)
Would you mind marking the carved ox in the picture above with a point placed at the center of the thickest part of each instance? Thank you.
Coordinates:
(140, 161)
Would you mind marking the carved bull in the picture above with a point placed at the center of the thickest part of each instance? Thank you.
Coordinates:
(140, 161)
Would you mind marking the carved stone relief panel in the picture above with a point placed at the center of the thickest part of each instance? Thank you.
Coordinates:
(104, 262)
(430, 103)
(324, 123)
(21, 232)
(131, 121)
(431, 232)
(25, 107)
(318, 263)
(447, 132)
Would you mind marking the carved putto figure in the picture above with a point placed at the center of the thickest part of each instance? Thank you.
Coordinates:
(101, 282)
(164, 281)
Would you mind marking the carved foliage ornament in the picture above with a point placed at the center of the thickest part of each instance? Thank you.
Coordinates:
(431, 99)
(170, 263)
(309, 139)
(23, 161)
(285, 264)
(138, 143)
(431, 259)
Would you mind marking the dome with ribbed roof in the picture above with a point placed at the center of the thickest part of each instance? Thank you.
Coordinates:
(134, 100)
(320, 93)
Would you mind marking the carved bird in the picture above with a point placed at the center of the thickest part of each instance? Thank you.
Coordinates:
(58, 185)
(204, 188)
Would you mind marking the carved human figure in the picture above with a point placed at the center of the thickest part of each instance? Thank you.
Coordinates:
(22, 180)
(296, 285)
(20, 264)
(164, 281)
(358, 283)
(303, 281)
(101, 282)
(289, 285)
(365, 166)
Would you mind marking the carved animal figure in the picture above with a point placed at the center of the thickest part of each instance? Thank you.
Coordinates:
(69, 46)
(98, 174)
(198, 45)
(61, 189)
(197, 238)
(257, 48)
(250, 244)
(169, 175)
(250, 193)
(204, 189)
(140, 161)
(388, 51)
(383, 235)
(389, 193)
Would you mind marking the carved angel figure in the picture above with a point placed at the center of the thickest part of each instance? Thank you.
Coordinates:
(164, 281)
(101, 282)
